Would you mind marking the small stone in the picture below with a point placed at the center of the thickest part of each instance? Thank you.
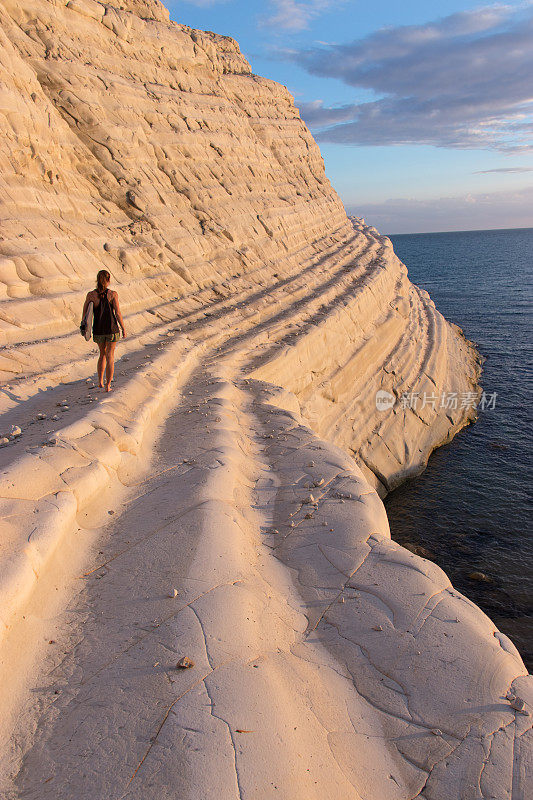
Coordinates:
(377, 628)
(319, 483)
(111, 512)
(4, 440)
(15, 430)
(291, 524)
(436, 732)
(518, 704)
(311, 464)
(309, 499)
(185, 663)
(64, 408)
(56, 416)
(41, 416)
(479, 576)
(174, 593)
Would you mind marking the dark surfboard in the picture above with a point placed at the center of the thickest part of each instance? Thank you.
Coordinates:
(86, 327)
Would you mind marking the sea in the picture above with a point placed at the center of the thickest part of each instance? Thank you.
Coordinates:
(471, 508)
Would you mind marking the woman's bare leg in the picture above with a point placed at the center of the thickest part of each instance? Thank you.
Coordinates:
(110, 365)
(101, 364)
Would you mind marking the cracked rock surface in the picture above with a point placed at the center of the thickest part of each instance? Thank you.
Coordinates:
(222, 504)
(400, 691)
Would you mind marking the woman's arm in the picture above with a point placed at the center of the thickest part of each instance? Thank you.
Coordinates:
(118, 314)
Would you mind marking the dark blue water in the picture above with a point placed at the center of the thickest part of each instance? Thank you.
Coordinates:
(471, 508)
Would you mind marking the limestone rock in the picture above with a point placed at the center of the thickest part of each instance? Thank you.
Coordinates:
(185, 663)
(214, 163)
(144, 147)
(478, 576)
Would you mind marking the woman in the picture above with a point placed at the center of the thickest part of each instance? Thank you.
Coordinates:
(106, 321)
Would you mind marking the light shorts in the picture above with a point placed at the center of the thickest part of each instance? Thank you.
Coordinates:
(100, 338)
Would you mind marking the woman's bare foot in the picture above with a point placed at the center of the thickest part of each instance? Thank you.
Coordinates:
(108, 387)
(100, 385)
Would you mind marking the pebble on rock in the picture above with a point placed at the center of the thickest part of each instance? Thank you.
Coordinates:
(15, 430)
(185, 663)
(518, 704)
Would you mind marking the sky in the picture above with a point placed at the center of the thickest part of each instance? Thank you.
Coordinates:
(423, 111)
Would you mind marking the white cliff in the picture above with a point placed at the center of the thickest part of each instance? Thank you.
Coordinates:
(241, 453)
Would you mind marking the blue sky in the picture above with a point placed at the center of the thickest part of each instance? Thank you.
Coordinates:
(423, 111)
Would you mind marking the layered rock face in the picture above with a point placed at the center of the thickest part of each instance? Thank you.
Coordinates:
(328, 661)
(141, 146)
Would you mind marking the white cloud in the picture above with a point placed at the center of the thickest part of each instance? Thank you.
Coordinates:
(503, 170)
(317, 115)
(205, 3)
(295, 15)
(459, 213)
(462, 81)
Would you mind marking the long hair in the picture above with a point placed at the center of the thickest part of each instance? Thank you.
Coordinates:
(102, 281)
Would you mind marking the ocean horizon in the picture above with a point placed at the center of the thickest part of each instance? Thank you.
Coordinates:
(467, 230)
